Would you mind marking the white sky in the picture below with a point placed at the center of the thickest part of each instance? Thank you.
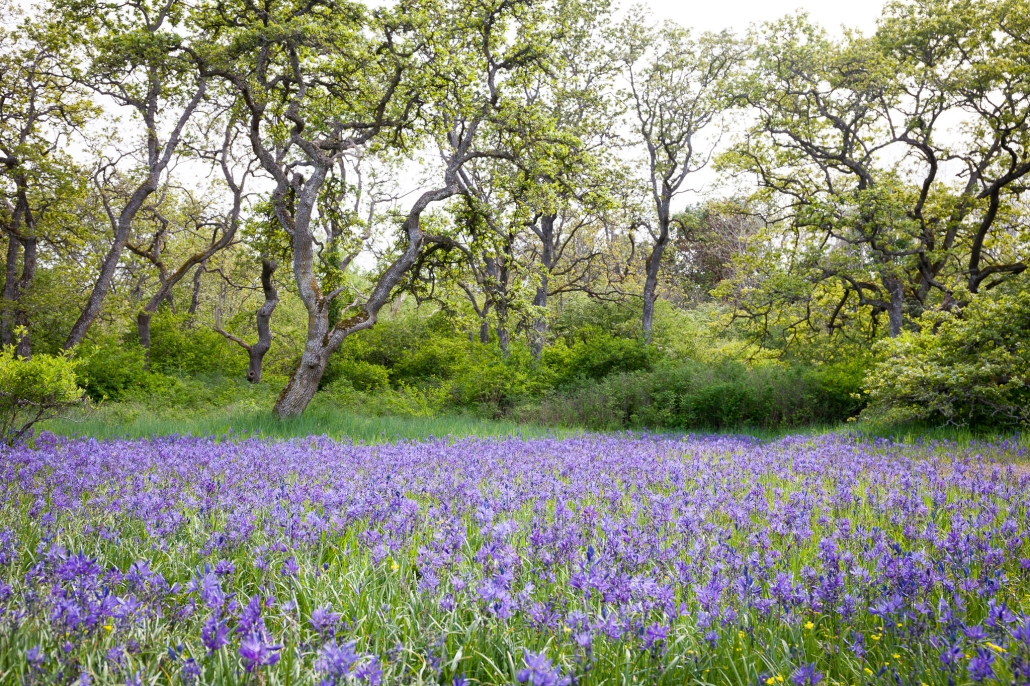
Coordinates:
(715, 15)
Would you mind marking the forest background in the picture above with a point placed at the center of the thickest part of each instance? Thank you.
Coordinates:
(553, 212)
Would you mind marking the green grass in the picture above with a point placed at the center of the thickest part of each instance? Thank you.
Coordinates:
(339, 424)
(217, 406)
(114, 422)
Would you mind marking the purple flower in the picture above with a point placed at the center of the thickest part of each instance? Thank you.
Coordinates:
(655, 634)
(251, 621)
(1022, 633)
(539, 672)
(35, 656)
(323, 619)
(805, 675)
(8, 546)
(981, 666)
(950, 655)
(336, 661)
(190, 672)
(214, 634)
(257, 653)
(975, 633)
(209, 587)
(370, 672)
(858, 645)
(290, 567)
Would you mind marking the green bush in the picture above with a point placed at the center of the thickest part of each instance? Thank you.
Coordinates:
(177, 346)
(405, 401)
(34, 390)
(493, 382)
(694, 395)
(595, 356)
(114, 367)
(966, 368)
(359, 374)
(110, 368)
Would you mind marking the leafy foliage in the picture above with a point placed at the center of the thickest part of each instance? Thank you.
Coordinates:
(969, 368)
(33, 390)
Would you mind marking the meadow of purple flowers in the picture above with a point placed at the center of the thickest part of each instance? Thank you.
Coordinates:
(618, 559)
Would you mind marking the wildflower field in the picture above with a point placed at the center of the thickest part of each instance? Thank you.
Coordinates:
(588, 560)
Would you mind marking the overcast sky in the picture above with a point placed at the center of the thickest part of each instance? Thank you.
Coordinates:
(714, 15)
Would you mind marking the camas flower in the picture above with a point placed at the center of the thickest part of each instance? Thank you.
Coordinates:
(981, 666)
(539, 672)
(214, 634)
(257, 653)
(323, 619)
(805, 675)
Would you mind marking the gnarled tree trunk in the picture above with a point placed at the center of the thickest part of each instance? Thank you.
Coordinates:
(322, 341)
(256, 352)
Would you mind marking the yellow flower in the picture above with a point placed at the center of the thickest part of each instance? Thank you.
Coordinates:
(779, 678)
(995, 648)
(770, 681)
(868, 671)
(875, 637)
(896, 656)
(809, 625)
(396, 566)
(109, 627)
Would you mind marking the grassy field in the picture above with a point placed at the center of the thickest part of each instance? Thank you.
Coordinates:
(317, 422)
(240, 420)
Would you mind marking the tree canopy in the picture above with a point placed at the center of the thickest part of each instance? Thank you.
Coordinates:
(271, 180)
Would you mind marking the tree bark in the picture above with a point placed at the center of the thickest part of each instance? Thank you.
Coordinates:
(21, 313)
(256, 352)
(896, 304)
(10, 293)
(484, 323)
(143, 331)
(264, 322)
(195, 298)
(546, 234)
(651, 268)
(16, 314)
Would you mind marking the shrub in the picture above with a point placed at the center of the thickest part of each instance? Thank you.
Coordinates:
(179, 347)
(694, 395)
(405, 401)
(109, 368)
(34, 390)
(359, 374)
(967, 368)
(596, 356)
(494, 382)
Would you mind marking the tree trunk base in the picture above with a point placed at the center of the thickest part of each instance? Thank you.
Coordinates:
(302, 386)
